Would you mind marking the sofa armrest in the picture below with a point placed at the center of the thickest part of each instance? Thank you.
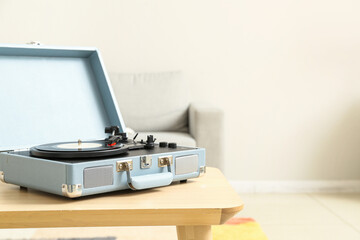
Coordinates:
(206, 125)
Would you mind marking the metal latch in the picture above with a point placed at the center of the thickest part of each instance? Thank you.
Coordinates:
(145, 161)
(165, 161)
(124, 166)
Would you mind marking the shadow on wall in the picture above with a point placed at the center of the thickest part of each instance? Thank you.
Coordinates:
(338, 156)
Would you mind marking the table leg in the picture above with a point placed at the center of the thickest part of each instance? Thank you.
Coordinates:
(194, 232)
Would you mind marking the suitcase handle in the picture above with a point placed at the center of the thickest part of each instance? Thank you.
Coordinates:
(150, 180)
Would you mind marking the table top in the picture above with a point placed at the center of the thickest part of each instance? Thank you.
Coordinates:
(208, 200)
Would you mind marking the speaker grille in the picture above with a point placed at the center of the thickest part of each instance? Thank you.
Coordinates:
(98, 176)
(186, 164)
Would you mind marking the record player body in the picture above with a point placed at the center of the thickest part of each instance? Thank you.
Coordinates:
(52, 95)
(72, 177)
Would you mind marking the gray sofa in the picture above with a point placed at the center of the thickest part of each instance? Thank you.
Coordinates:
(159, 104)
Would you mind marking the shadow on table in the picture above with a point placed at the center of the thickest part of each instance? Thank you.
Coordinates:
(27, 196)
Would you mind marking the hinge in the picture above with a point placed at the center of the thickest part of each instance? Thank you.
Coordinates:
(34, 43)
(20, 150)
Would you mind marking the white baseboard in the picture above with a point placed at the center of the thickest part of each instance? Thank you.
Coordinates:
(348, 186)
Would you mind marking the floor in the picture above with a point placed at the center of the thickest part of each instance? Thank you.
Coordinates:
(329, 216)
(317, 216)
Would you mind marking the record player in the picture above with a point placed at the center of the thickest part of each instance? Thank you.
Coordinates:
(61, 130)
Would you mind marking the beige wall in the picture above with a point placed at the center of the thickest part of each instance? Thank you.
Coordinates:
(287, 73)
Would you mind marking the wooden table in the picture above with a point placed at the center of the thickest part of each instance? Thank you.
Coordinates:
(193, 207)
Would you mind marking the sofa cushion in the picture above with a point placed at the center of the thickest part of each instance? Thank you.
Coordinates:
(152, 101)
(181, 138)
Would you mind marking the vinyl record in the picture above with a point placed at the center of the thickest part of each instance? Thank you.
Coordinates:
(86, 149)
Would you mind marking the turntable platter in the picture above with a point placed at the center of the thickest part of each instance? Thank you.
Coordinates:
(86, 149)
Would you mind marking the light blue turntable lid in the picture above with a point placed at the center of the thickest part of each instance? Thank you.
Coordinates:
(53, 94)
